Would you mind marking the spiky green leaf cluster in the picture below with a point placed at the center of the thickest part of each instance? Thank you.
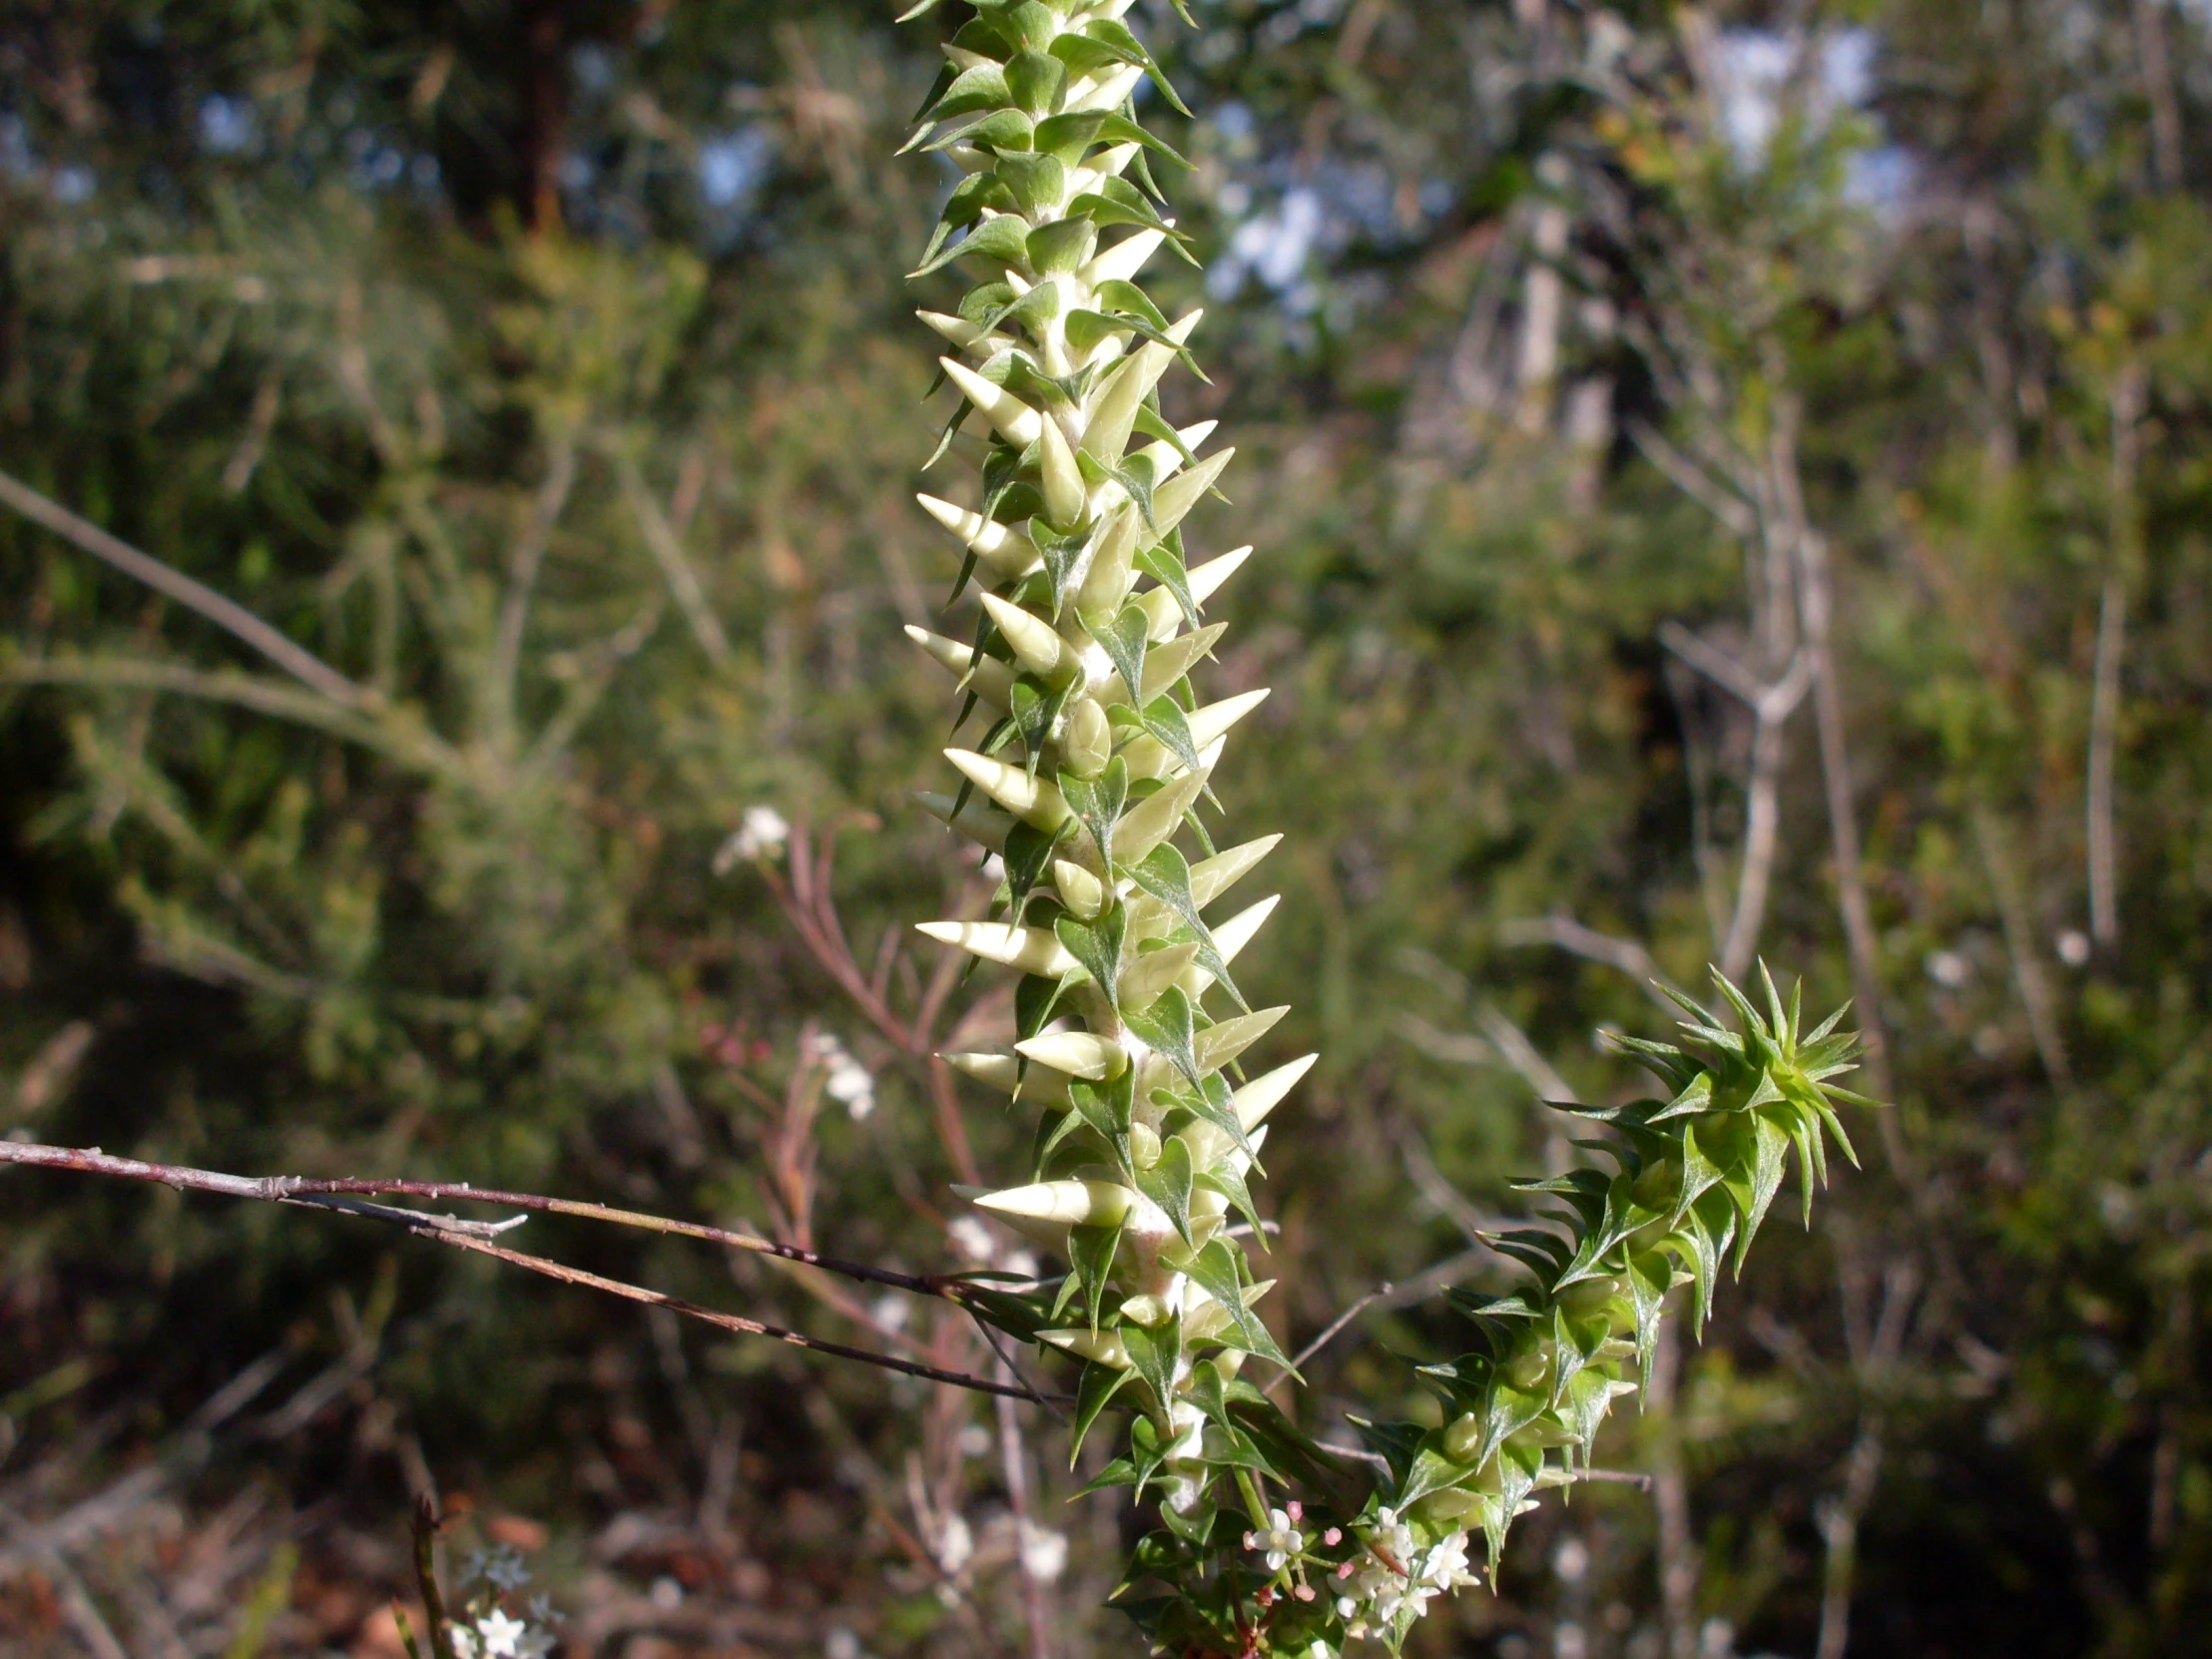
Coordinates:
(1087, 784)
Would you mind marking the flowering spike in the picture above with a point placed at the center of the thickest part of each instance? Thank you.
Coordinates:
(1088, 791)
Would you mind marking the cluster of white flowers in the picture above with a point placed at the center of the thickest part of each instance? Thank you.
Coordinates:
(490, 1631)
(1394, 1573)
(850, 1083)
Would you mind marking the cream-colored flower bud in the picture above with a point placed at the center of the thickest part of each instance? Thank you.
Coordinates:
(1144, 1145)
(1261, 1095)
(1463, 1438)
(1112, 568)
(1064, 495)
(1146, 1310)
(1154, 971)
(1217, 1045)
(1032, 949)
(1066, 1203)
(1007, 552)
(1087, 742)
(1083, 892)
(1211, 878)
(992, 680)
(1035, 800)
(1102, 1347)
(1036, 644)
(1036, 1085)
(1082, 1054)
(1238, 931)
(1155, 817)
(1018, 422)
(1122, 261)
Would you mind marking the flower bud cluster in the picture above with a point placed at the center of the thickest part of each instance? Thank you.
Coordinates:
(1095, 758)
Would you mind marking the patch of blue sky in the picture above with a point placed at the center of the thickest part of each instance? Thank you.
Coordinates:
(227, 125)
(1756, 71)
(732, 167)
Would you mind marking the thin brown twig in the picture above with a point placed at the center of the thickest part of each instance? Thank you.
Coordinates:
(301, 1189)
(711, 1315)
(1006, 1359)
(1335, 1328)
(439, 1230)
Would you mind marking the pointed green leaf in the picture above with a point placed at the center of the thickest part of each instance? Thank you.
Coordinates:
(1093, 1390)
(1218, 1270)
(1108, 1108)
(1124, 641)
(1091, 1259)
(1166, 875)
(1168, 1184)
(1004, 240)
(1164, 564)
(1098, 946)
(1098, 803)
(1168, 1027)
(1154, 1351)
(981, 87)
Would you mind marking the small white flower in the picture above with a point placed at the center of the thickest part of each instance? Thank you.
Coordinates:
(1044, 1552)
(1445, 1568)
(464, 1640)
(1392, 1539)
(502, 1635)
(955, 1545)
(502, 1568)
(1279, 1542)
(761, 833)
(971, 1240)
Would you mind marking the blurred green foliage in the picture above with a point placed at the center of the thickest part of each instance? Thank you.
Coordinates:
(545, 368)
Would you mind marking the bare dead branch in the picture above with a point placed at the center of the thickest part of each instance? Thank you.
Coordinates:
(234, 619)
(1691, 479)
(405, 741)
(1331, 1333)
(2019, 943)
(524, 562)
(666, 548)
(1573, 937)
(2128, 395)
